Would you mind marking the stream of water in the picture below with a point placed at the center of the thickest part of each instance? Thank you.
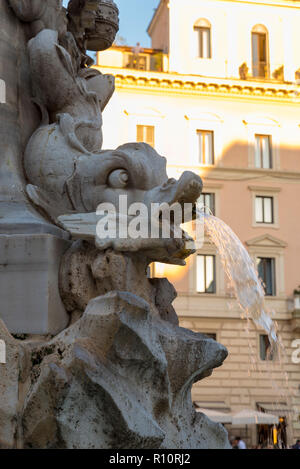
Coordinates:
(249, 292)
(241, 272)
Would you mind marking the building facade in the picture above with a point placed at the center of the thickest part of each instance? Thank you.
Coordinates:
(218, 94)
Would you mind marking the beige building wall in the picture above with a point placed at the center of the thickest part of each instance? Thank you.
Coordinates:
(232, 23)
(161, 27)
(200, 95)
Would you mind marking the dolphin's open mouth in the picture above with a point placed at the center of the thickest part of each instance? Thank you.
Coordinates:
(177, 201)
(189, 189)
(154, 227)
(186, 190)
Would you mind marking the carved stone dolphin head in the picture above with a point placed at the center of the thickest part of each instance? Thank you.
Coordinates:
(136, 172)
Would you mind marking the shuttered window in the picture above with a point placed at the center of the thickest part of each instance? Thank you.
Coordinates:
(145, 133)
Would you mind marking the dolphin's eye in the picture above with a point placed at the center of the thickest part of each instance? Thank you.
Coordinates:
(118, 178)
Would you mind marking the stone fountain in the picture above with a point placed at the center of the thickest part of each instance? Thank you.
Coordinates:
(95, 357)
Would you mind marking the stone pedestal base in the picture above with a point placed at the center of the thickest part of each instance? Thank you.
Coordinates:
(30, 302)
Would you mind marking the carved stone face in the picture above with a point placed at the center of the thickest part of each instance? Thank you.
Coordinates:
(135, 170)
(138, 172)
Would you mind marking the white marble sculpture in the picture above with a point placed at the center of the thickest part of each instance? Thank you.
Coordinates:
(120, 373)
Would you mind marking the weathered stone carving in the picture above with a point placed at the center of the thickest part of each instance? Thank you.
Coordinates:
(120, 375)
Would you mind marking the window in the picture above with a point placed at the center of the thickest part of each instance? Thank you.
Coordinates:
(264, 209)
(137, 61)
(263, 152)
(206, 147)
(206, 273)
(265, 349)
(266, 272)
(203, 29)
(204, 43)
(210, 335)
(260, 52)
(145, 133)
(265, 206)
(206, 202)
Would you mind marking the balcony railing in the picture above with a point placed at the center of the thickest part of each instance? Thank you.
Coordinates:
(154, 62)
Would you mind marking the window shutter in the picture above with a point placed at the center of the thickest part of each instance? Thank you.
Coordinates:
(150, 135)
(145, 133)
(139, 133)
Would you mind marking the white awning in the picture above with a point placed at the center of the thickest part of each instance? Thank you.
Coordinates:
(249, 416)
(216, 415)
(213, 405)
(281, 409)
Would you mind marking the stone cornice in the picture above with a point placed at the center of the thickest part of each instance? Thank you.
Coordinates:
(220, 173)
(170, 83)
(274, 3)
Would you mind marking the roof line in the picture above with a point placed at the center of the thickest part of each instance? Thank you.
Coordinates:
(157, 9)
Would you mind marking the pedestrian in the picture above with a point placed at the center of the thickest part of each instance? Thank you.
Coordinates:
(297, 445)
(234, 443)
(136, 55)
(240, 443)
(137, 49)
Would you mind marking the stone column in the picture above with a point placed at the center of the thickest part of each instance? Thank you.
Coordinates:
(19, 117)
(20, 223)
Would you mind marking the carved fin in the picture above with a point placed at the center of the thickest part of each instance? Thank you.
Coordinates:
(73, 188)
(44, 112)
(49, 205)
(66, 60)
(68, 126)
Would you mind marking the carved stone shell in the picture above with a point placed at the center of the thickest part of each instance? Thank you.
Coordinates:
(106, 28)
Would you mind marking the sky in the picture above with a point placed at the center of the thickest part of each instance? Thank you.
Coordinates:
(135, 16)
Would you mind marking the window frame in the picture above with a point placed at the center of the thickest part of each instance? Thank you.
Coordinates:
(206, 292)
(264, 222)
(260, 31)
(258, 125)
(200, 30)
(145, 128)
(211, 194)
(264, 356)
(270, 150)
(210, 334)
(201, 132)
(273, 275)
(137, 61)
(265, 191)
(269, 246)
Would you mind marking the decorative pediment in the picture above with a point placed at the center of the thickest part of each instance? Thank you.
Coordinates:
(143, 112)
(266, 241)
(203, 116)
(254, 119)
